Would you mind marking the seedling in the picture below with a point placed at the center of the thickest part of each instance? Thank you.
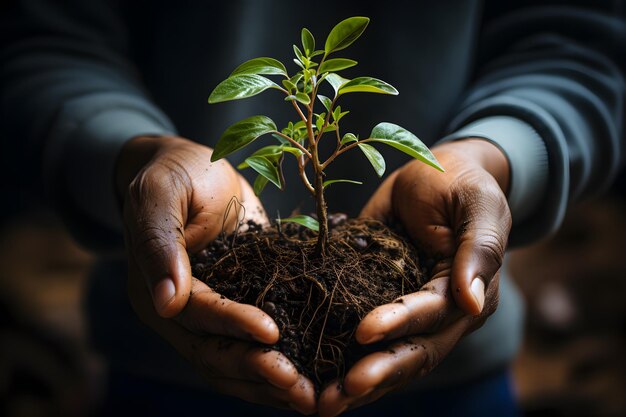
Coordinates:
(302, 138)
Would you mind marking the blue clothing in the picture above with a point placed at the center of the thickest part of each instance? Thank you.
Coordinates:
(490, 395)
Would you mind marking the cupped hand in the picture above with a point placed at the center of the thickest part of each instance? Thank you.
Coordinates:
(461, 219)
(175, 202)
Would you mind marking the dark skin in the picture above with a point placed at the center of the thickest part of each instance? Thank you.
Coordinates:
(463, 218)
(173, 204)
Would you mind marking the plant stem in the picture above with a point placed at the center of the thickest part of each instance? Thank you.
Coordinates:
(339, 151)
(320, 203)
(322, 237)
(302, 173)
(293, 142)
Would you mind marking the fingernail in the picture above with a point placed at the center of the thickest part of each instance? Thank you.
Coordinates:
(478, 290)
(163, 292)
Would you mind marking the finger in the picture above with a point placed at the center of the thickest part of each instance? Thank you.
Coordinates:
(223, 357)
(385, 371)
(481, 242)
(208, 312)
(154, 219)
(419, 312)
(403, 361)
(213, 355)
(300, 397)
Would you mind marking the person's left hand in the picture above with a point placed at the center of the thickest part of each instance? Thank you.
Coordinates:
(461, 218)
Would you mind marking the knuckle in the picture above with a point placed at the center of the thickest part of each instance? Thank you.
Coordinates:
(432, 359)
(491, 246)
(150, 241)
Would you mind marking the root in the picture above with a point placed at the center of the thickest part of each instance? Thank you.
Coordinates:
(316, 302)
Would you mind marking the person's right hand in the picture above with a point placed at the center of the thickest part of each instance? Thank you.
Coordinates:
(174, 201)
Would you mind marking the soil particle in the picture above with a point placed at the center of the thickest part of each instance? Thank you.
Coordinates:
(317, 302)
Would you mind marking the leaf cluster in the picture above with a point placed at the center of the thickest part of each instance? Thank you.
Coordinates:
(316, 67)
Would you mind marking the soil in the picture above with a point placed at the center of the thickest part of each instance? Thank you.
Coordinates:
(317, 302)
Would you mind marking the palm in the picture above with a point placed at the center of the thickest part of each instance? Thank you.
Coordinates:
(174, 204)
(461, 220)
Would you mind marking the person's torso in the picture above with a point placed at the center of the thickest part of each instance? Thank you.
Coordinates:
(423, 48)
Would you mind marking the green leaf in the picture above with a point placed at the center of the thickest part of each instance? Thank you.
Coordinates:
(306, 221)
(263, 65)
(405, 141)
(240, 86)
(303, 98)
(296, 78)
(289, 86)
(375, 158)
(259, 184)
(316, 53)
(268, 166)
(298, 53)
(292, 150)
(344, 33)
(325, 101)
(329, 182)
(338, 114)
(336, 81)
(308, 41)
(336, 64)
(367, 85)
(241, 134)
(266, 150)
(319, 120)
(348, 137)
(330, 128)
(280, 138)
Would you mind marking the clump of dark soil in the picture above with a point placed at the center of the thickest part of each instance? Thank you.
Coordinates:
(317, 302)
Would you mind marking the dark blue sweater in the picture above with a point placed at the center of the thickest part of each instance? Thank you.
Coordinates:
(79, 78)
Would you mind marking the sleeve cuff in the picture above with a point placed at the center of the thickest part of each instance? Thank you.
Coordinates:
(80, 161)
(527, 155)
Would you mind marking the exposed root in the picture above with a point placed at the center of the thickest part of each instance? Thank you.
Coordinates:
(316, 302)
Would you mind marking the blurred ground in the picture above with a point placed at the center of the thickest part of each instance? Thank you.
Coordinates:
(573, 361)
(46, 367)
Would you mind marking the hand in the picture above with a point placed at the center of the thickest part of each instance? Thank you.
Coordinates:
(461, 218)
(174, 202)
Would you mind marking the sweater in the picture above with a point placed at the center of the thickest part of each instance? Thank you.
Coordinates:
(541, 80)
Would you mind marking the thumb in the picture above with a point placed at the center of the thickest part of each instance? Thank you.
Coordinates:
(154, 218)
(482, 235)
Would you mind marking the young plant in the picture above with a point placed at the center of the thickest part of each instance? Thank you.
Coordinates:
(302, 138)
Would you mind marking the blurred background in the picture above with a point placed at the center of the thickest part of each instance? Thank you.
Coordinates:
(573, 361)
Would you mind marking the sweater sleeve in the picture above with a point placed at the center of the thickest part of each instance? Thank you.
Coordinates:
(549, 92)
(71, 98)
